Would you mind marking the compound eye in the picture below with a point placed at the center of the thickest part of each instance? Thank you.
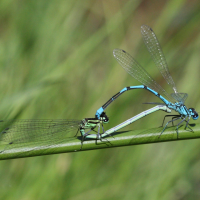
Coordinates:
(193, 113)
(106, 119)
(195, 116)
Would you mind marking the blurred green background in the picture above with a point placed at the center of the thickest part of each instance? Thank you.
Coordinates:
(56, 62)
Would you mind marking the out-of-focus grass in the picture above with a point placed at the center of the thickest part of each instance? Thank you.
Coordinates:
(56, 62)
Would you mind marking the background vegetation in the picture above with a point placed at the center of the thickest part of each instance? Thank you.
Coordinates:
(56, 62)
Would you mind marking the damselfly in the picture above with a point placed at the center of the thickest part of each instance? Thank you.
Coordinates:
(47, 132)
(140, 74)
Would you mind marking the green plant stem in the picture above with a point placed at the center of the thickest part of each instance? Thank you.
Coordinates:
(126, 138)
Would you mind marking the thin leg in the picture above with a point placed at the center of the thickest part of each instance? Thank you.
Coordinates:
(98, 134)
(106, 135)
(169, 116)
(175, 118)
(168, 123)
(102, 129)
(181, 121)
(84, 136)
(77, 132)
(179, 124)
(103, 141)
(187, 122)
(100, 138)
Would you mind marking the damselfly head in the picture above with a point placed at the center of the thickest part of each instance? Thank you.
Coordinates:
(194, 114)
(104, 117)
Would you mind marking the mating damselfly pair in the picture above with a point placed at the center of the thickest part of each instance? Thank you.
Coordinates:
(34, 132)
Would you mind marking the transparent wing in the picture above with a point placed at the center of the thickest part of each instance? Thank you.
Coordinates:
(156, 53)
(138, 72)
(180, 97)
(35, 132)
